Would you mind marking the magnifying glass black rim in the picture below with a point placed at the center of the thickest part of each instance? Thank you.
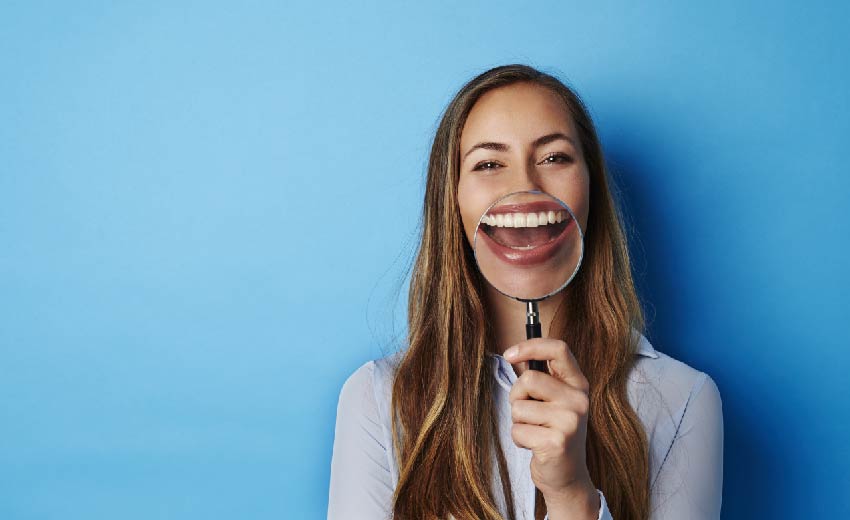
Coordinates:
(533, 192)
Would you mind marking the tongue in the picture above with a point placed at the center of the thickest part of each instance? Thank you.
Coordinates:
(522, 237)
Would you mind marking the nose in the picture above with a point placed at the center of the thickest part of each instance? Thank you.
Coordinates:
(526, 178)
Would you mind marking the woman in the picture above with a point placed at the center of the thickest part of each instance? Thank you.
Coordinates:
(455, 425)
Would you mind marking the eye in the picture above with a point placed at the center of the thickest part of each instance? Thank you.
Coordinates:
(558, 158)
(485, 165)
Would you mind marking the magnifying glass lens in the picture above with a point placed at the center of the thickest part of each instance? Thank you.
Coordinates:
(528, 245)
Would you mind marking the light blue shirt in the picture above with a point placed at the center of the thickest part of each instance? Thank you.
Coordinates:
(679, 407)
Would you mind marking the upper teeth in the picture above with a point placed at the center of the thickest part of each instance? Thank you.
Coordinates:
(521, 220)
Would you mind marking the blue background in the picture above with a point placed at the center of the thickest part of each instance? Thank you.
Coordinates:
(207, 210)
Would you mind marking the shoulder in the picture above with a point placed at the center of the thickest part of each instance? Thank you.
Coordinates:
(365, 395)
(357, 409)
(358, 385)
(661, 375)
(364, 415)
(362, 463)
(386, 366)
(369, 378)
(672, 399)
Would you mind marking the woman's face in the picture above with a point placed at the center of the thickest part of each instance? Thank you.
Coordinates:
(517, 138)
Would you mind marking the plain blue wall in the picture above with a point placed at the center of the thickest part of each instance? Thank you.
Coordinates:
(206, 210)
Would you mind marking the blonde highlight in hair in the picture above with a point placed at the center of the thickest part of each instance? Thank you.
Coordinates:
(444, 424)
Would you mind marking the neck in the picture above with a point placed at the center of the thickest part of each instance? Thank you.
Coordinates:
(509, 317)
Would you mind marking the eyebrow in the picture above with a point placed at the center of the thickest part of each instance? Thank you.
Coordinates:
(540, 141)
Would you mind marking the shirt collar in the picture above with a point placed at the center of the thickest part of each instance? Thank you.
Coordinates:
(644, 347)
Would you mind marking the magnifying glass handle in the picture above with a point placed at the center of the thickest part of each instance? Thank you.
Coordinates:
(532, 330)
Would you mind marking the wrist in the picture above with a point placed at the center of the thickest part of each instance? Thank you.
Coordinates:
(580, 500)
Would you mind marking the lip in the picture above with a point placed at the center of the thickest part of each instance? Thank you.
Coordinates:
(527, 257)
(527, 207)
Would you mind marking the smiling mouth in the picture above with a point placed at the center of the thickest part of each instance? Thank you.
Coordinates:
(524, 230)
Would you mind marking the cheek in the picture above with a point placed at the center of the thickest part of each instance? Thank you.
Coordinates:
(576, 195)
(579, 198)
(471, 203)
(583, 204)
(465, 209)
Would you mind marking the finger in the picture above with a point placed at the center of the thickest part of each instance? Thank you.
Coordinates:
(541, 413)
(536, 438)
(545, 388)
(533, 384)
(562, 363)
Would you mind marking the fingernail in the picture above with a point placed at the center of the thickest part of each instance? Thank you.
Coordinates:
(511, 352)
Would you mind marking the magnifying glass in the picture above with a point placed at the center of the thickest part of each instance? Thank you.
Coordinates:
(528, 245)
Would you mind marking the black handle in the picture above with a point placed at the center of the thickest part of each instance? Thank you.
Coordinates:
(532, 330)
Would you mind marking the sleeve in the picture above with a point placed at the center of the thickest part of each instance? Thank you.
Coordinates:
(690, 481)
(604, 514)
(360, 483)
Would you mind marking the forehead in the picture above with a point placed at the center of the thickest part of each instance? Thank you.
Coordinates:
(521, 112)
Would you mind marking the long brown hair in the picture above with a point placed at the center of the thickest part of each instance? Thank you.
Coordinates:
(444, 423)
